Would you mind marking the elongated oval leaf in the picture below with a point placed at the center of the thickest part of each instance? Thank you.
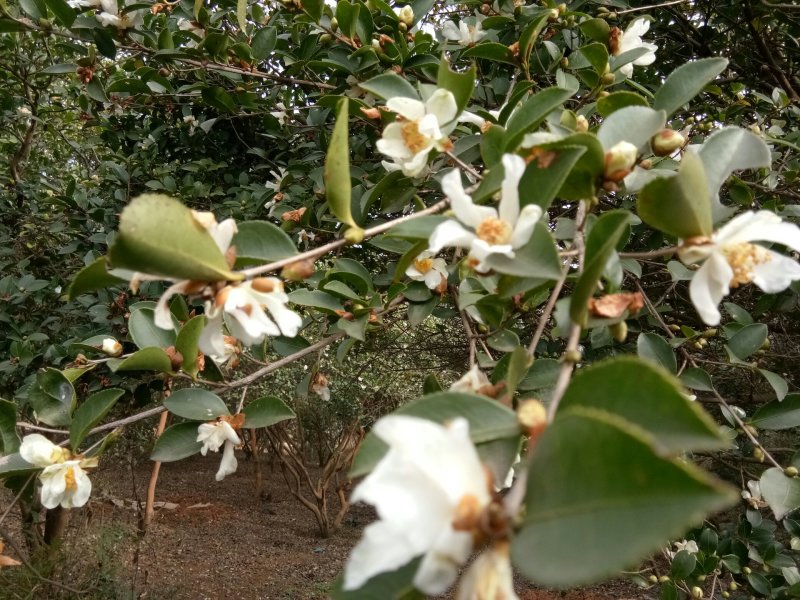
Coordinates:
(782, 493)
(261, 242)
(196, 404)
(9, 440)
(389, 85)
(338, 189)
(14, 464)
(460, 83)
(90, 413)
(266, 411)
(657, 350)
(632, 124)
(531, 113)
(146, 359)
(187, 343)
(599, 499)
(748, 339)
(52, 397)
(177, 442)
(145, 333)
(778, 415)
(685, 82)
(93, 276)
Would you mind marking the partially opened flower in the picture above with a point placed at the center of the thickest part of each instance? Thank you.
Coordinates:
(488, 230)
(64, 481)
(428, 269)
(730, 259)
(418, 130)
(689, 546)
(465, 34)
(213, 435)
(473, 381)
(489, 577)
(630, 39)
(111, 347)
(430, 490)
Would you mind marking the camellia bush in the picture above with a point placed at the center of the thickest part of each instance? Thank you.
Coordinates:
(597, 194)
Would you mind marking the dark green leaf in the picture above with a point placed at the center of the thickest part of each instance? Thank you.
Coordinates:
(685, 82)
(389, 85)
(748, 339)
(338, 188)
(52, 397)
(196, 404)
(146, 359)
(187, 343)
(177, 442)
(259, 242)
(531, 113)
(266, 411)
(92, 277)
(778, 415)
(657, 350)
(9, 440)
(90, 413)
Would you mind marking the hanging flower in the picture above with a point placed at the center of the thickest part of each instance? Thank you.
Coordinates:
(319, 385)
(418, 130)
(489, 577)
(430, 490)
(281, 115)
(247, 321)
(492, 231)
(464, 33)
(216, 433)
(730, 259)
(433, 271)
(64, 481)
(630, 39)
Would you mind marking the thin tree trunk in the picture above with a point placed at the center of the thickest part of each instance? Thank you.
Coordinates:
(149, 509)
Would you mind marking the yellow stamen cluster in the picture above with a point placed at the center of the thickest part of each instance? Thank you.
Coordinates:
(494, 231)
(412, 138)
(69, 479)
(423, 265)
(743, 259)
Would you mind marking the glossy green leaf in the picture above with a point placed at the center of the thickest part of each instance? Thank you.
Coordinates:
(146, 359)
(779, 385)
(778, 415)
(145, 333)
(603, 499)
(259, 242)
(518, 365)
(600, 243)
(596, 29)
(52, 397)
(266, 411)
(595, 54)
(420, 228)
(187, 343)
(536, 259)
(541, 183)
(9, 440)
(782, 493)
(697, 379)
(460, 83)
(176, 442)
(241, 14)
(617, 100)
(93, 276)
(355, 328)
(527, 38)
(159, 235)
(264, 42)
(685, 82)
(65, 15)
(493, 51)
(338, 188)
(679, 205)
(197, 404)
(14, 464)
(90, 413)
(748, 339)
(488, 421)
(389, 85)
(316, 299)
(531, 113)
(653, 347)
(647, 396)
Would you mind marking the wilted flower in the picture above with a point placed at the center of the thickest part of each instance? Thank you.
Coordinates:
(418, 131)
(191, 122)
(215, 434)
(428, 269)
(493, 231)
(429, 490)
(319, 385)
(622, 42)
(489, 577)
(464, 33)
(730, 259)
(753, 495)
(63, 479)
(473, 381)
(111, 347)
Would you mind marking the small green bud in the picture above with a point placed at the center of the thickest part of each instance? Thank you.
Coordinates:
(790, 471)
(701, 578)
(653, 579)
(726, 595)
(758, 454)
(708, 333)
(354, 235)
(619, 331)
(666, 142)
(402, 27)
(564, 62)
(747, 570)
(573, 356)
(733, 586)
(663, 579)
(325, 39)
(697, 592)
(607, 79)
(334, 24)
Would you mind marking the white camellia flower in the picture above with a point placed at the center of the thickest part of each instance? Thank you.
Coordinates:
(464, 33)
(111, 347)
(472, 381)
(493, 231)
(406, 15)
(630, 39)
(418, 131)
(429, 490)
(213, 436)
(489, 577)
(247, 320)
(112, 16)
(192, 27)
(690, 546)
(428, 269)
(730, 259)
(64, 481)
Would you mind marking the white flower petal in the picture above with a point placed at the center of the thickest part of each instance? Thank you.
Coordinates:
(228, 464)
(776, 274)
(408, 108)
(523, 229)
(39, 451)
(212, 339)
(763, 226)
(439, 568)
(450, 234)
(163, 315)
(514, 168)
(223, 234)
(382, 549)
(709, 286)
(442, 104)
(465, 210)
(433, 278)
(392, 144)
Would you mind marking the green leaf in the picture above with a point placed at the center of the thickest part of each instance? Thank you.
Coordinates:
(338, 189)
(395, 585)
(697, 379)
(52, 397)
(461, 84)
(431, 385)
(778, 415)
(104, 42)
(266, 411)
(657, 350)
(685, 82)
(603, 499)
(493, 51)
(14, 464)
(196, 404)
(177, 442)
(145, 333)
(355, 328)
(65, 15)
(187, 343)
(527, 38)
(632, 124)
(748, 339)
(648, 397)
(492, 142)
(92, 277)
(595, 54)
(782, 493)
(778, 383)
(90, 413)
(532, 113)
(146, 359)
(420, 228)
(316, 299)
(314, 9)
(536, 259)
(600, 243)
(504, 340)
(159, 235)
(488, 421)
(683, 563)
(218, 98)
(259, 242)
(581, 181)
(264, 42)
(679, 205)
(241, 14)
(9, 440)
(540, 183)
(617, 100)
(389, 85)
(518, 365)
(596, 29)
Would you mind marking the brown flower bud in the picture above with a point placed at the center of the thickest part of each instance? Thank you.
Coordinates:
(297, 271)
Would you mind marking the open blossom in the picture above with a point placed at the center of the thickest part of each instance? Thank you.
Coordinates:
(630, 39)
(64, 481)
(472, 382)
(429, 490)
(464, 33)
(409, 140)
(213, 435)
(730, 259)
(433, 271)
(111, 15)
(489, 577)
(491, 231)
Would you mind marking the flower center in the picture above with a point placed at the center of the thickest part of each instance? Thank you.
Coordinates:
(413, 138)
(467, 514)
(423, 265)
(494, 231)
(69, 479)
(743, 259)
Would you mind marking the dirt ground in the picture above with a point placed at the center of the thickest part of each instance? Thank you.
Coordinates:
(222, 542)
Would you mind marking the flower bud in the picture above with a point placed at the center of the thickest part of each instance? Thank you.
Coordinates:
(325, 39)
(697, 592)
(532, 415)
(653, 579)
(620, 160)
(666, 141)
(354, 235)
(573, 356)
(334, 24)
(297, 271)
(663, 579)
(402, 27)
(608, 79)
(112, 347)
(619, 331)
(733, 586)
(581, 124)
(758, 454)
(790, 471)
(406, 15)
(564, 62)
(175, 357)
